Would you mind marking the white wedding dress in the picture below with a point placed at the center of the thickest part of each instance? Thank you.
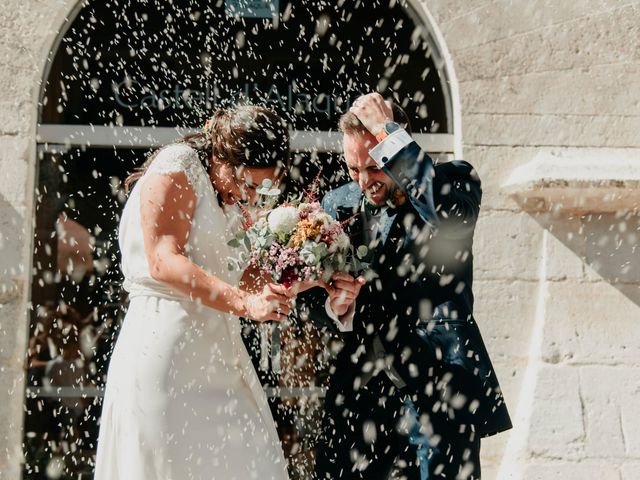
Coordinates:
(182, 399)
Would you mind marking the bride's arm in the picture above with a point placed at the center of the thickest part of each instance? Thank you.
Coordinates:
(167, 203)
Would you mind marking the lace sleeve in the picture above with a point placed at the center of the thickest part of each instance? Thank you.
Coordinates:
(181, 158)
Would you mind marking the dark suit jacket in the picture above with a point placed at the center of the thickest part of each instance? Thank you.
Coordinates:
(421, 304)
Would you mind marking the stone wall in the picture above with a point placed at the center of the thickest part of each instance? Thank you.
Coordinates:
(28, 33)
(557, 292)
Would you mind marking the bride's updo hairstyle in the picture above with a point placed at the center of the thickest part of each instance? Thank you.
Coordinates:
(247, 135)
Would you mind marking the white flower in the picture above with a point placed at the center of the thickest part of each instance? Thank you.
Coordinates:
(326, 219)
(283, 219)
(340, 242)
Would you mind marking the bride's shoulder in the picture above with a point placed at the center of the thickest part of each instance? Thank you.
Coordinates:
(176, 158)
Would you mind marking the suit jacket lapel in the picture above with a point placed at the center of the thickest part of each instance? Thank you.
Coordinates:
(390, 228)
(387, 219)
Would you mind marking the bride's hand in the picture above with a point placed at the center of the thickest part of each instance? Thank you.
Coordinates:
(273, 303)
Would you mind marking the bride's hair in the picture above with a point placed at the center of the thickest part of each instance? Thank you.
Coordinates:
(249, 135)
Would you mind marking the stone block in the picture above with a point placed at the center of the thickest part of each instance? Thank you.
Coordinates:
(585, 41)
(14, 321)
(516, 18)
(17, 164)
(630, 470)
(489, 468)
(590, 323)
(611, 399)
(449, 11)
(558, 469)
(551, 130)
(557, 427)
(20, 118)
(13, 242)
(19, 87)
(491, 451)
(507, 247)
(588, 91)
(505, 312)
(565, 247)
(11, 418)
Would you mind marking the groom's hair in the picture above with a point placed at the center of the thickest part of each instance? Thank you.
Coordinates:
(350, 124)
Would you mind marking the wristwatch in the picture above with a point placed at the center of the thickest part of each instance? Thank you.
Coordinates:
(388, 129)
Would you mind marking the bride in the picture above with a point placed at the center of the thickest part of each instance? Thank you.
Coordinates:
(182, 399)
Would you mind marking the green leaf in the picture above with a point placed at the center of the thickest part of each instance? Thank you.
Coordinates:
(327, 274)
(357, 264)
(233, 243)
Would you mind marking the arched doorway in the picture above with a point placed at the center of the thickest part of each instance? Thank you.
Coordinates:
(129, 76)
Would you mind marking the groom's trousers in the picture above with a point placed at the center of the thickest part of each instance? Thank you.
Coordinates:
(443, 451)
(364, 437)
(447, 446)
(382, 436)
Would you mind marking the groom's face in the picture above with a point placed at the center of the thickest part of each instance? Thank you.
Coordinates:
(375, 184)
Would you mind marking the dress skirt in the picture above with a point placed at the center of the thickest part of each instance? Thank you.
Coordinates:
(181, 402)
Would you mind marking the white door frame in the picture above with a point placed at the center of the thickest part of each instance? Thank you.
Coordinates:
(53, 136)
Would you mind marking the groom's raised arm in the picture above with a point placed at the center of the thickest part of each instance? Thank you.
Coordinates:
(446, 199)
(400, 157)
(446, 196)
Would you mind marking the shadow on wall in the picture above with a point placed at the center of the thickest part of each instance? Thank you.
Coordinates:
(606, 244)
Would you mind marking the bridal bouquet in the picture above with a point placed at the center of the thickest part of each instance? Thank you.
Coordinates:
(296, 241)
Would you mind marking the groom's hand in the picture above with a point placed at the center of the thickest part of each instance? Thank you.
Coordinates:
(373, 111)
(343, 291)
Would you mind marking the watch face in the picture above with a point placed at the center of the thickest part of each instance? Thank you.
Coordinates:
(391, 127)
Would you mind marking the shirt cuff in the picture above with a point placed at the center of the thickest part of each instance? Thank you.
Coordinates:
(345, 322)
(390, 146)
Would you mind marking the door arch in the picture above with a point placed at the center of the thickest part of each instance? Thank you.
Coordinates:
(117, 85)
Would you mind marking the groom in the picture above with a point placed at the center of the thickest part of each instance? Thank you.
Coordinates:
(413, 389)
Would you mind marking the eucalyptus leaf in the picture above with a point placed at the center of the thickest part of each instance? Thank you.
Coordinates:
(327, 274)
